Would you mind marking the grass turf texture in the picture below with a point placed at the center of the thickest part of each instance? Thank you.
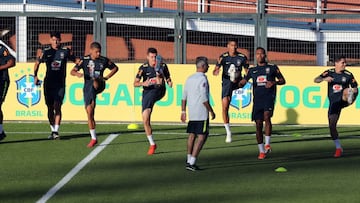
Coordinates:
(30, 165)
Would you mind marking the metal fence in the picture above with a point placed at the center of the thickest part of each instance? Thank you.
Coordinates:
(294, 32)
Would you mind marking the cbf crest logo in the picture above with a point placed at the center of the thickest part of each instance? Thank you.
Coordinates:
(241, 97)
(28, 94)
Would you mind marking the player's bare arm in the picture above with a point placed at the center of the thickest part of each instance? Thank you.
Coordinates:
(36, 69)
(183, 111)
(320, 79)
(10, 63)
(75, 72)
(216, 70)
(242, 83)
(112, 72)
(210, 109)
(138, 83)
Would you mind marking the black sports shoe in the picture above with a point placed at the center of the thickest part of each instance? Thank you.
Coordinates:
(54, 136)
(2, 135)
(192, 167)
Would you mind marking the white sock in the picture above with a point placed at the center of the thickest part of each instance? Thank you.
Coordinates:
(337, 143)
(188, 158)
(261, 148)
(267, 140)
(52, 128)
(151, 140)
(227, 128)
(192, 160)
(56, 128)
(1, 128)
(93, 134)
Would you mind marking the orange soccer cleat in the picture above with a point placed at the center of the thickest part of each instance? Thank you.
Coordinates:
(152, 149)
(338, 152)
(92, 143)
(261, 156)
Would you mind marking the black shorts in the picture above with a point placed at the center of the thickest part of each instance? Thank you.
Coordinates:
(198, 127)
(335, 107)
(149, 97)
(53, 94)
(4, 87)
(227, 88)
(262, 106)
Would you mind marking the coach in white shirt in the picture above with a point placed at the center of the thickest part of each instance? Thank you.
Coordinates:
(196, 96)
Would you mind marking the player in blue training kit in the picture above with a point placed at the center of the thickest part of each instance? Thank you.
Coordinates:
(265, 77)
(154, 73)
(93, 67)
(342, 91)
(55, 57)
(6, 61)
(232, 62)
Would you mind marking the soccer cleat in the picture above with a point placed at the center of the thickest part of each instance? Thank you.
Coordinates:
(158, 69)
(92, 143)
(152, 149)
(192, 167)
(261, 156)
(2, 136)
(338, 152)
(54, 136)
(228, 138)
(267, 149)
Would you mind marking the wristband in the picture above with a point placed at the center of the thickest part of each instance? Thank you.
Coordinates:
(183, 111)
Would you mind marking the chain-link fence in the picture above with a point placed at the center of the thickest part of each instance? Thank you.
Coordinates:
(294, 32)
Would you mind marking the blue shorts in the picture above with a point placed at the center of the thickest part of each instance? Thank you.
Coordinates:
(150, 96)
(228, 87)
(336, 107)
(259, 108)
(54, 94)
(4, 87)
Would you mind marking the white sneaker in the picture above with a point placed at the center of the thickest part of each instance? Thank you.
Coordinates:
(228, 138)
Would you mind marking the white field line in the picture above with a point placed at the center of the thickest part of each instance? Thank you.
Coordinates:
(177, 133)
(77, 168)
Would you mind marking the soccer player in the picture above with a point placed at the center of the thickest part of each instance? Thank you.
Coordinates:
(55, 57)
(6, 61)
(154, 73)
(265, 77)
(93, 66)
(232, 62)
(342, 91)
(196, 95)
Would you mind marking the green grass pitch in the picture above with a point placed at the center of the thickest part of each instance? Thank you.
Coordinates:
(30, 165)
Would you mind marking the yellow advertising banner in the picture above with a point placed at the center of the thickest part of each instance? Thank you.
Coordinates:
(300, 101)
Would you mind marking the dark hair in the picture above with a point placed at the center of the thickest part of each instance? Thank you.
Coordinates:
(152, 50)
(201, 61)
(95, 45)
(55, 34)
(233, 40)
(338, 58)
(261, 48)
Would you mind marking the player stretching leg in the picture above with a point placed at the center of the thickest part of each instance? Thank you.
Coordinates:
(232, 62)
(93, 67)
(153, 74)
(55, 57)
(264, 77)
(342, 92)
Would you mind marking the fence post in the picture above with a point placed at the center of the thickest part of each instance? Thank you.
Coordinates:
(321, 44)
(261, 26)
